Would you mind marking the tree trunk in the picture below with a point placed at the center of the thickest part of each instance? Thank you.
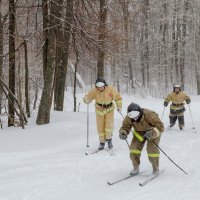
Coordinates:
(177, 43)
(197, 79)
(146, 42)
(62, 59)
(36, 95)
(182, 56)
(142, 58)
(131, 74)
(173, 48)
(20, 93)
(1, 56)
(43, 116)
(75, 81)
(26, 80)
(102, 37)
(45, 34)
(164, 43)
(11, 110)
(197, 68)
(8, 93)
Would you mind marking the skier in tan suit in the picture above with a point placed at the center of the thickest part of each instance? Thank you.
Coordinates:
(104, 96)
(147, 127)
(177, 109)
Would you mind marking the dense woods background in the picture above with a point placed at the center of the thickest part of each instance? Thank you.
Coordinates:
(142, 47)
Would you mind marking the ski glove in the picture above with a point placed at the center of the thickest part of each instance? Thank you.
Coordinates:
(119, 110)
(165, 103)
(148, 135)
(123, 135)
(152, 134)
(86, 100)
(188, 101)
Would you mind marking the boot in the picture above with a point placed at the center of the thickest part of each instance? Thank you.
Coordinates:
(101, 146)
(134, 171)
(156, 172)
(110, 145)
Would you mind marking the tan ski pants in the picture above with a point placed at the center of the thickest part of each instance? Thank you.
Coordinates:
(105, 126)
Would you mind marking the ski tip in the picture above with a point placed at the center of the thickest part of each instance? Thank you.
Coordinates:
(140, 184)
(109, 183)
(86, 154)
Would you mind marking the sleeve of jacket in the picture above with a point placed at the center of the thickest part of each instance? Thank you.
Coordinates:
(187, 97)
(155, 122)
(168, 98)
(90, 96)
(117, 98)
(126, 125)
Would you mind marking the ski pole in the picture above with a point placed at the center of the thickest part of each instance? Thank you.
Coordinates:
(162, 114)
(191, 116)
(128, 144)
(87, 145)
(121, 114)
(126, 139)
(169, 158)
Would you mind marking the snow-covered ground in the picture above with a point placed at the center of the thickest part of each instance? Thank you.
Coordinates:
(49, 163)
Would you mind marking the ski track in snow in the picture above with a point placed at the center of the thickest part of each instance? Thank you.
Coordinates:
(48, 162)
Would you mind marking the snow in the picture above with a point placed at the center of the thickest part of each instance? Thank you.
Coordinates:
(48, 162)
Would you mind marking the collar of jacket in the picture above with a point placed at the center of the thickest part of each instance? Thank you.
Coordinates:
(101, 91)
(177, 92)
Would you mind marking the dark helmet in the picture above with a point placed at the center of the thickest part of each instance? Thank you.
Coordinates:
(134, 111)
(100, 82)
(134, 107)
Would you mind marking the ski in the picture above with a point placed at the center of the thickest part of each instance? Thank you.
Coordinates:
(168, 128)
(150, 178)
(123, 179)
(110, 151)
(93, 152)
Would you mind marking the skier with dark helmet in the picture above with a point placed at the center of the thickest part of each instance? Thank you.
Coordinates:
(104, 95)
(177, 109)
(147, 128)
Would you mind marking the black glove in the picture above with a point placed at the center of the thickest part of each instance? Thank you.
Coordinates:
(123, 135)
(148, 135)
(119, 110)
(165, 103)
(188, 101)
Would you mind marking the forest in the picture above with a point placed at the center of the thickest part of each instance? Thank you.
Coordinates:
(142, 47)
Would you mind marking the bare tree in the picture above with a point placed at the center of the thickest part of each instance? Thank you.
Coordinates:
(11, 110)
(43, 116)
(63, 44)
(184, 31)
(26, 79)
(102, 38)
(1, 54)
